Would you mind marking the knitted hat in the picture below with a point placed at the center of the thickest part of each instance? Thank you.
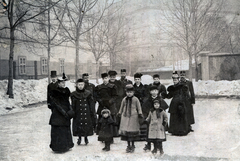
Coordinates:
(156, 101)
(105, 110)
(129, 87)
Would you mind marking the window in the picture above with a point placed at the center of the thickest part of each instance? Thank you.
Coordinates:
(22, 65)
(61, 65)
(44, 66)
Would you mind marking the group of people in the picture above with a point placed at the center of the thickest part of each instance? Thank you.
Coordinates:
(133, 111)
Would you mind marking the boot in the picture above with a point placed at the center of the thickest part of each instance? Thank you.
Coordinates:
(128, 150)
(108, 147)
(86, 140)
(147, 146)
(154, 151)
(105, 146)
(160, 148)
(132, 148)
(79, 141)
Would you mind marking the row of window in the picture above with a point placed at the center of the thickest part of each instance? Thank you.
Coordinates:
(44, 67)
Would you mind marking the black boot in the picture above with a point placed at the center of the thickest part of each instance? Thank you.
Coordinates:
(160, 148)
(86, 140)
(105, 147)
(79, 140)
(108, 146)
(128, 150)
(147, 146)
(154, 151)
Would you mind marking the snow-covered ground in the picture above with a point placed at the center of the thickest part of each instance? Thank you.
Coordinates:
(25, 136)
(34, 91)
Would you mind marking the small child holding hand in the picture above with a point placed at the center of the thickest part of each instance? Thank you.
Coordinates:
(157, 120)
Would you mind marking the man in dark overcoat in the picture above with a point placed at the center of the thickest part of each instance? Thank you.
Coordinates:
(189, 108)
(89, 86)
(51, 86)
(161, 88)
(140, 90)
(120, 90)
(106, 94)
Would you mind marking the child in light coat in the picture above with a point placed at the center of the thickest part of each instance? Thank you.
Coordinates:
(157, 120)
(130, 112)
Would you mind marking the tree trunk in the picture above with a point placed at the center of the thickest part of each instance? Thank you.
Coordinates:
(190, 65)
(77, 60)
(11, 55)
(97, 71)
(49, 43)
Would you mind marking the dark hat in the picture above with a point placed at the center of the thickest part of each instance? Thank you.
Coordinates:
(85, 74)
(175, 75)
(103, 75)
(182, 73)
(137, 75)
(80, 80)
(156, 101)
(53, 73)
(112, 73)
(153, 87)
(156, 76)
(123, 70)
(63, 78)
(129, 87)
(105, 110)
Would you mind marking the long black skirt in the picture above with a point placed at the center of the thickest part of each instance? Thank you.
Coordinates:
(61, 138)
(178, 124)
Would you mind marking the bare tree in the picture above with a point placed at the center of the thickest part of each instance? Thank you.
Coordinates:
(116, 33)
(19, 12)
(193, 25)
(95, 41)
(77, 13)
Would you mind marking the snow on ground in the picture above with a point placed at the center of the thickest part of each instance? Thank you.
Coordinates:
(34, 91)
(25, 136)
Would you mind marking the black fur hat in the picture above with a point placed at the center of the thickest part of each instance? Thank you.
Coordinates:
(105, 110)
(103, 75)
(80, 80)
(153, 87)
(123, 70)
(156, 76)
(85, 74)
(175, 75)
(137, 75)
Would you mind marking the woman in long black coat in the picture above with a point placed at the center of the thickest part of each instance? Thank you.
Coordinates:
(85, 116)
(178, 114)
(61, 137)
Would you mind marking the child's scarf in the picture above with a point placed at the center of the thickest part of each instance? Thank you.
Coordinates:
(128, 107)
(158, 112)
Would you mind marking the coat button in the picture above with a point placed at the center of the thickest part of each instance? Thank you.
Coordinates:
(85, 123)
(85, 118)
(85, 108)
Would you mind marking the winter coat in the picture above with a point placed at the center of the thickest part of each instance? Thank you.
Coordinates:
(106, 97)
(85, 116)
(179, 94)
(148, 105)
(90, 87)
(60, 105)
(161, 89)
(120, 92)
(191, 100)
(140, 92)
(156, 128)
(130, 123)
(178, 124)
(50, 87)
(105, 125)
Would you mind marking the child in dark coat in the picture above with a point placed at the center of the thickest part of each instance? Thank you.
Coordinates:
(105, 125)
(157, 120)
